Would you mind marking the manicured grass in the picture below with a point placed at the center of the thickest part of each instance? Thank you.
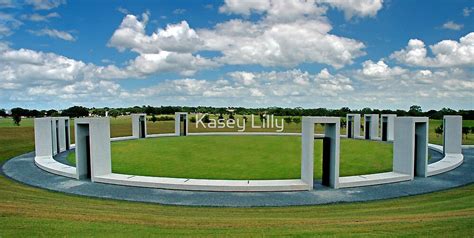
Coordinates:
(28, 211)
(239, 157)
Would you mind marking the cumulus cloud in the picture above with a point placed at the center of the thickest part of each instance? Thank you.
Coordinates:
(280, 44)
(183, 63)
(53, 33)
(379, 71)
(131, 35)
(447, 53)
(356, 8)
(450, 25)
(45, 4)
(291, 10)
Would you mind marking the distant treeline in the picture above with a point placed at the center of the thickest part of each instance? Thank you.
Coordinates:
(78, 111)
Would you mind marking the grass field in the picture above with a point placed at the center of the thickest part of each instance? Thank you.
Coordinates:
(239, 157)
(28, 211)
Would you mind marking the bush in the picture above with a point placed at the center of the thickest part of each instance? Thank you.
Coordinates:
(297, 120)
(16, 119)
(165, 118)
(288, 120)
(193, 119)
(439, 130)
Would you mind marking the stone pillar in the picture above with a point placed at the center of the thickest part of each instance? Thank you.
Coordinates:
(177, 123)
(410, 146)
(43, 137)
(354, 119)
(452, 134)
(389, 119)
(139, 128)
(332, 130)
(93, 154)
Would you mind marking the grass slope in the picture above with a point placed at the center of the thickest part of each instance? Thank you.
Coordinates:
(239, 157)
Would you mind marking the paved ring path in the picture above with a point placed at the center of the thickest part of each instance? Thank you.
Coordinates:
(22, 168)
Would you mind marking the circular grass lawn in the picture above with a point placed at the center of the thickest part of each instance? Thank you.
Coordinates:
(239, 157)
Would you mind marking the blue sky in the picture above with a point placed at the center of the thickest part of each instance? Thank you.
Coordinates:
(315, 53)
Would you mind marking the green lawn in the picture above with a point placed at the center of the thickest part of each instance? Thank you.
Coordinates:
(29, 211)
(239, 157)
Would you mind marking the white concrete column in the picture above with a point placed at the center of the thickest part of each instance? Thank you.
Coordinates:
(177, 123)
(98, 131)
(374, 126)
(332, 130)
(452, 134)
(407, 158)
(43, 137)
(390, 119)
(355, 119)
(307, 152)
(62, 133)
(136, 127)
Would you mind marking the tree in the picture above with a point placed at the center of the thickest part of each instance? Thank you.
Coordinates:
(3, 113)
(206, 119)
(297, 120)
(415, 110)
(439, 130)
(153, 118)
(287, 120)
(465, 131)
(16, 119)
(76, 111)
(114, 113)
(343, 123)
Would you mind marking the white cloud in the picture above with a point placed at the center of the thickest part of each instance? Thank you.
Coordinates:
(379, 71)
(8, 23)
(291, 10)
(7, 4)
(447, 53)
(54, 34)
(358, 8)
(131, 35)
(45, 4)
(123, 10)
(39, 18)
(179, 11)
(467, 11)
(450, 25)
(183, 63)
(280, 44)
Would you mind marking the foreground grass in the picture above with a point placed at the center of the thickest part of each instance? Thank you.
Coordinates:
(239, 157)
(27, 211)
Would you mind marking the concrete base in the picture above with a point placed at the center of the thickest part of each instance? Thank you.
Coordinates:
(47, 163)
(204, 184)
(372, 179)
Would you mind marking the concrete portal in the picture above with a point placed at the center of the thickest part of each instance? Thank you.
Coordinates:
(371, 126)
(452, 134)
(139, 128)
(43, 137)
(181, 123)
(353, 125)
(331, 143)
(93, 156)
(51, 134)
(410, 146)
(387, 126)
